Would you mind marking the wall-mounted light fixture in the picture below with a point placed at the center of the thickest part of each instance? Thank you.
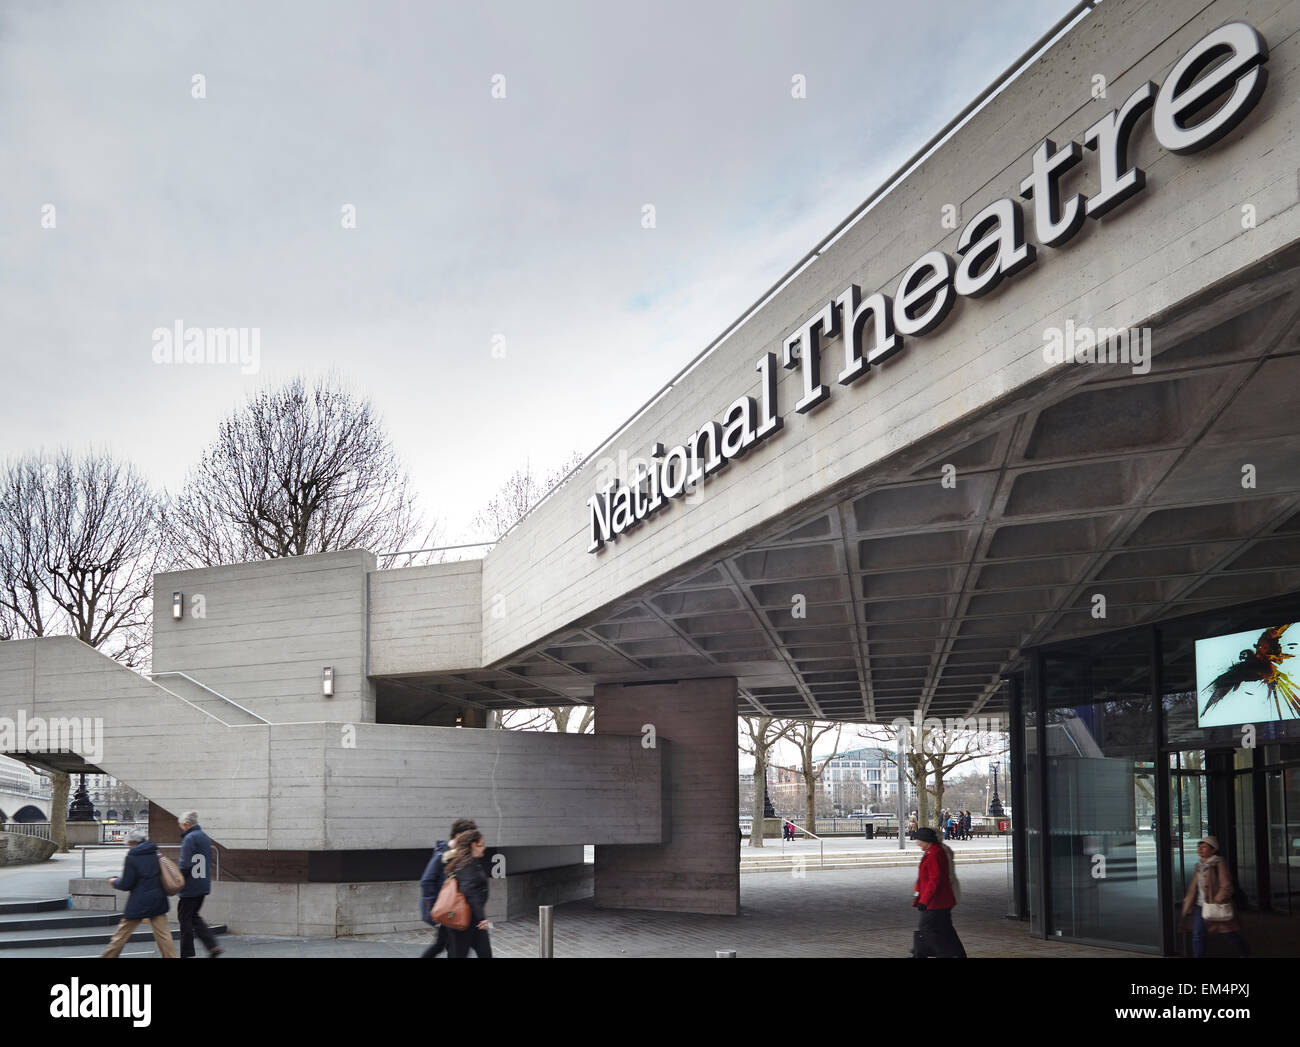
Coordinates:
(327, 681)
(178, 605)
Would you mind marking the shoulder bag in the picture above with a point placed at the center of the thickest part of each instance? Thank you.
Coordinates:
(450, 908)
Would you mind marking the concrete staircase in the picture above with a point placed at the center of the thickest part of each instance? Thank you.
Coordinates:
(48, 924)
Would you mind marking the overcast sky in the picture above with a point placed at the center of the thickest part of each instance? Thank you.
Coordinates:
(476, 217)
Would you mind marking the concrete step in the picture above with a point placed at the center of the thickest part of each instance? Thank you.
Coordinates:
(28, 905)
(813, 863)
(21, 921)
(80, 934)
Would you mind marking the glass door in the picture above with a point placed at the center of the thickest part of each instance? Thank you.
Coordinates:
(1282, 793)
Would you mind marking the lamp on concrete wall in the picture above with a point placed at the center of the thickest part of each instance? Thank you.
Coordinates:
(178, 605)
(327, 681)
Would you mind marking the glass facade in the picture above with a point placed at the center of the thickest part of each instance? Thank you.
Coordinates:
(1122, 782)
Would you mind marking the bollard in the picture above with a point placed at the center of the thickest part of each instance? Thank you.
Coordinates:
(724, 954)
(83, 863)
(546, 932)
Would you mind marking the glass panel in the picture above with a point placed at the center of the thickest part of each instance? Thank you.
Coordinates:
(1100, 739)
(1291, 794)
(1244, 805)
(1278, 841)
(1032, 821)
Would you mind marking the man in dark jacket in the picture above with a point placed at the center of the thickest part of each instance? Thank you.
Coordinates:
(934, 897)
(431, 883)
(196, 866)
(142, 876)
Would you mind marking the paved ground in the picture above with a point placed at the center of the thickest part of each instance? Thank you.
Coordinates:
(843, 913)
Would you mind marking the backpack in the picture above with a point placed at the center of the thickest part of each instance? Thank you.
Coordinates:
(172, 880)
(450, 908)
(953, 882)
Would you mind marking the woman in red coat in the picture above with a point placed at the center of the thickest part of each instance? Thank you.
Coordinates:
(935, 935)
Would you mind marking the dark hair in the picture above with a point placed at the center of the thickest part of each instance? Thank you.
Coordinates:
(461, 825)
(463, 855)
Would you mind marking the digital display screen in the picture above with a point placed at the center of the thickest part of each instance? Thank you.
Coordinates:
(1248, 677)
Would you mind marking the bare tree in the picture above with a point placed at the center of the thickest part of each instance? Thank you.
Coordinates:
(545, 718)
(513, 500)
(757, 736)
(296, 470)
(79, 543)
(806, 734)
(946, 748)
(915, 769)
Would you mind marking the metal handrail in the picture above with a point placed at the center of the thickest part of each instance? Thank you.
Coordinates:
(205, 687)
(856, 215)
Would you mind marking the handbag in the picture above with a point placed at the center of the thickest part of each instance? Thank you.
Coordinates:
(172, 880)
(1217, 912)
(450, 908)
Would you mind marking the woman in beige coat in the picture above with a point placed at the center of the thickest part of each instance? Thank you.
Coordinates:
(1211, 884)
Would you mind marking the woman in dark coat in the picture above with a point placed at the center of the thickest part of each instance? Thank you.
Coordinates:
(142, 876)
(1211, 884)
(466, 866)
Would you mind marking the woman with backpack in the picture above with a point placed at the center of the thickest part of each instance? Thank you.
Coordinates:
(1208, 905)
(142, 876)
(466, 868)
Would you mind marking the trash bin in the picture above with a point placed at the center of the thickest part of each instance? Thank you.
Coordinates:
(869, 830)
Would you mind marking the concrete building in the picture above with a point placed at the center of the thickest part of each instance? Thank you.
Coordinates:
(904, 483)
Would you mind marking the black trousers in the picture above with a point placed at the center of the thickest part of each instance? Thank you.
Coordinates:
(459, 944)
(935, 936)
(439, 944)
(187, 911)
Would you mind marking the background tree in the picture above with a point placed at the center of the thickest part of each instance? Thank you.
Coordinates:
(915, 769)
(80, 539)
(806, 734)
(946, 748)
(525, 487)
(296, 470)
(757, 736)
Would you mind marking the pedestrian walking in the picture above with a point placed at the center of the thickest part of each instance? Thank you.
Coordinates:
(1208, 906)
(196, 867)
(935, 898)
(911, 827)
(432, 880)
(142, 876)
(466, 867)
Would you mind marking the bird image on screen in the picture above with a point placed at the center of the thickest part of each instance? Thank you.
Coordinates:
(1235, 687)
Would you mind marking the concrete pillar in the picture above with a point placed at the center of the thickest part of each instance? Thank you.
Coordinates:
(697, 868)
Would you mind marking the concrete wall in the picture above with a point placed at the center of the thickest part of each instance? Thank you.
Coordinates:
(426, 619)
(268, 630)
(17, 849)
(331, 786)
(1181, 234)
(698, 868)
(170, 751)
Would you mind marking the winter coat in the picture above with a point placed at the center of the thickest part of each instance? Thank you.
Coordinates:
(473, 882)
(195, 843)
(1219, 888)
(431, 881)
(933, 889)
(142, 876)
